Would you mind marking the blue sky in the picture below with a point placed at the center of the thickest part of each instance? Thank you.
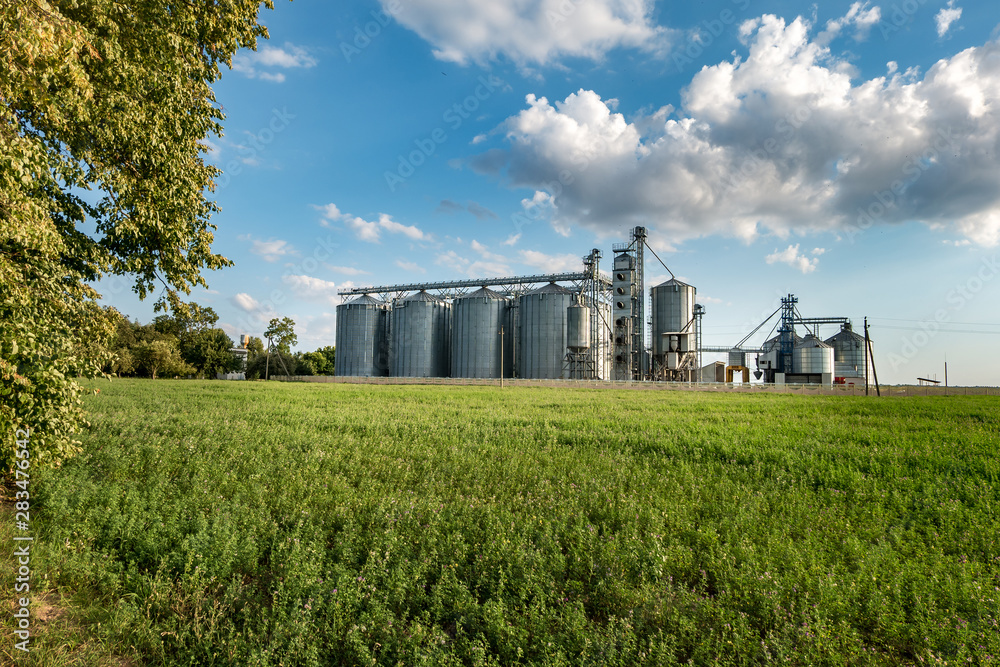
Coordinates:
(848, 153)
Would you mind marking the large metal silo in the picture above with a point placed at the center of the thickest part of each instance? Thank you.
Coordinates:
(542, 334)
(578, 328)
(421, 337)
(848, 352)
(812, 357)
(477, 349)
(361, 338)
(673, 309)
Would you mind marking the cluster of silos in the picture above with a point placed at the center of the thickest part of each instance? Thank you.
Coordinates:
(543, 334)
(674, 339)
(848, 353)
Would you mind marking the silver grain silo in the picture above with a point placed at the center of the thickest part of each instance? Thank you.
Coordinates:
(811, 356)
(542, 335)
(361, 338)
(421, 336)
(673, 309)
(578, 328)
(476, 350)
(848, 352)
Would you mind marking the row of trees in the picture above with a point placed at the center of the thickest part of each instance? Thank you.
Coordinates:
(189, 343)
(184, 343)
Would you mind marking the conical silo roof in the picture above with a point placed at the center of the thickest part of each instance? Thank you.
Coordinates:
(811, 341)
(481, 293)
(673, 281)
(364, 300)
(422, 296)
(551, 288)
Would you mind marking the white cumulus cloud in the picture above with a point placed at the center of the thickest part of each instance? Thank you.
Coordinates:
(313, 289)
(346, 270)
(564, 263)
(791, 257)
(529, 32)
(946, 17)
(782, 139)
(860, 15)
(370, 230)
(271, 250)
(412, 267)
(259, 64)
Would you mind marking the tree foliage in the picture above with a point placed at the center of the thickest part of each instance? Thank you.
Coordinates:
(255, 347)
(104, 109)
(281, 334)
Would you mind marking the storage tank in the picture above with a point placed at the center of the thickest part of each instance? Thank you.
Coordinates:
(578, 328)
(421, 336)
(673, 308)
(812, 356)
(542, 332)
(848, 352)
(361, 338)
(475, 335)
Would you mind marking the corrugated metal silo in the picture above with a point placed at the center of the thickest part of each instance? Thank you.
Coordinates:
(673, 308)
(542, 334)
(578, 328)
(475, 336)
(812, 356)
(848, 352)
(421, 337)
(361, 338)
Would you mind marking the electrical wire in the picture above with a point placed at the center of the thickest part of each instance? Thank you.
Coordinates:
(975, 324)
(932, 330)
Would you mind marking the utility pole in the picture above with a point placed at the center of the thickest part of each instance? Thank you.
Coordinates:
(868, 344)
(501, 357)
(946, 377)
(866, 358)
(267, 362)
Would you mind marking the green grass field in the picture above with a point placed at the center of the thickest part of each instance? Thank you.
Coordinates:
(213, 523)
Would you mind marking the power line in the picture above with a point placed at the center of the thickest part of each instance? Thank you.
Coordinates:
(932, 330)
(975, 324)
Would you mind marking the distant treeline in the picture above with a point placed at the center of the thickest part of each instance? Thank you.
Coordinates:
(192, 345)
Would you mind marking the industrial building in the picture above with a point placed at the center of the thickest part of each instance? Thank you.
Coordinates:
(585, 325)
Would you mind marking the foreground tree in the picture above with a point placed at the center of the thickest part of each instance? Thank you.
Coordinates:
(116, 100)
(162, 357)
(209, 352)
(281, 334)
(255, 347)
(330, 353)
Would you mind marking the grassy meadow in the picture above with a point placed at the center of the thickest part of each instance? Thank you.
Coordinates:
(240, 523)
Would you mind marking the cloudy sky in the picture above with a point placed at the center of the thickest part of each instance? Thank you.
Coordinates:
(848, 153)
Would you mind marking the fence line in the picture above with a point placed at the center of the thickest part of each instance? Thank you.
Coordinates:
(805, 389)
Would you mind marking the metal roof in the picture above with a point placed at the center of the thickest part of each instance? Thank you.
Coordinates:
(481, 293)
